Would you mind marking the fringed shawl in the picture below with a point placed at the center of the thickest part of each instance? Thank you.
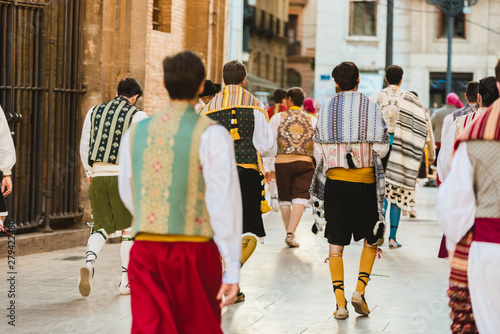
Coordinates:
(486, 127)
(349, 117)
(407, 150)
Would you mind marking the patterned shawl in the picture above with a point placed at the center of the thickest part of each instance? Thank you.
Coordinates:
(349, 117)
(233, 96)
(410, 136)
(486, 127)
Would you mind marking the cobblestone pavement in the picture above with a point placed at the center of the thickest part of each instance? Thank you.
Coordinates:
(287, 290)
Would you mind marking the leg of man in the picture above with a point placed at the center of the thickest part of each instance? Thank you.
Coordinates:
(336, 264)
(122, 220)
(296, 214)
(365, 268)
(395, 217)
(286, 210)
(125, 255)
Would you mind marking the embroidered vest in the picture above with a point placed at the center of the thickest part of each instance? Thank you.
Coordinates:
(109, 121)
(244, 120)
(295, 133)
(486, 176)
(167, 181)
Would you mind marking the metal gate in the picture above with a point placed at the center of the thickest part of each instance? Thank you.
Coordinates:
(40, 92)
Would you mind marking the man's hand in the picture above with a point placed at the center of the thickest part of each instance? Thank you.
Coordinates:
(89, 179)
(6, 185)
(229, 291)
(431, 161)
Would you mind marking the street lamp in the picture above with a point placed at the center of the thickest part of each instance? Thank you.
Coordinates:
(451, 8)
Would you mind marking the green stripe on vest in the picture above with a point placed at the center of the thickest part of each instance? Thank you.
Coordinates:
(109, 121)
(167, 182)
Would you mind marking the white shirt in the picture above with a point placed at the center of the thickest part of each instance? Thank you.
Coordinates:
(7, 149)
(456, 200)
(263, 138)
(222, 194)
(104, 169)
(446, 151)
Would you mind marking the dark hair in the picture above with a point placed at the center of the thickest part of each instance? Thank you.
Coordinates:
(234, 72)
(394, 74)
(183, 74)
(346, 75)
(297, 95)
(129, 87)
(497, 71)
(471, 91)
(488, 90)
(279, 95)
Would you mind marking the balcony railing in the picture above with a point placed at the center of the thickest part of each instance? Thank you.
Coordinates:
(293, 48)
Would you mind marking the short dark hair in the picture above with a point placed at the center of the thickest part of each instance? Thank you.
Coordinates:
(234, 72)
(497, 71)
(279, 95)
(471, 91)
(129, 87)
(297, 95)
(394, 74)
(488, 90)
(183, 74)
(346, 75)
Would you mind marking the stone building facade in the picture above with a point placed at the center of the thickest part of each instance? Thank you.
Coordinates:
(301, 49)
(265, 31)
(356, 31)
(131, 37)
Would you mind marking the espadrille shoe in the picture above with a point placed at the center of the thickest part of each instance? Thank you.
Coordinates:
(359, 303)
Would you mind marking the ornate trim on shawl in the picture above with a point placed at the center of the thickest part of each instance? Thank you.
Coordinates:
(407, 150)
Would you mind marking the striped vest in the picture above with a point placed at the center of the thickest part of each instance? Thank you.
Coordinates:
(109, 121)
(167, 182)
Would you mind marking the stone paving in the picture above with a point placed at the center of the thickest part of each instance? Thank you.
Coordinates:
(287, 290)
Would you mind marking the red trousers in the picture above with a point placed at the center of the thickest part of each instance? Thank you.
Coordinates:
(174, 287)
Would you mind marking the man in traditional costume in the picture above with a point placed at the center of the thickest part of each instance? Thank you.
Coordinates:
(470, 95)
(453, 103)
(349, 180)
(209, 91)
(100, 151)
(246, 119)
(468, 209)
(487, 93)
(406, 124)
(7, 162)
(293, 130)
(178, 177)
(279, 97)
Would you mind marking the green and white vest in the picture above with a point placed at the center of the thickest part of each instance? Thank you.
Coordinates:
(109, 121)
(167, 180)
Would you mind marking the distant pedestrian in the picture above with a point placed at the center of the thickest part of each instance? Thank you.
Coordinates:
(309, 107)
(405, 118)
(100, 149)
(294, 130)
(209, 91)
(279, 105)
(453, 103)
(349, 180)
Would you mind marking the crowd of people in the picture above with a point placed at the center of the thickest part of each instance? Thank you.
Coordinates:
(194, 178)
(187, 187)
